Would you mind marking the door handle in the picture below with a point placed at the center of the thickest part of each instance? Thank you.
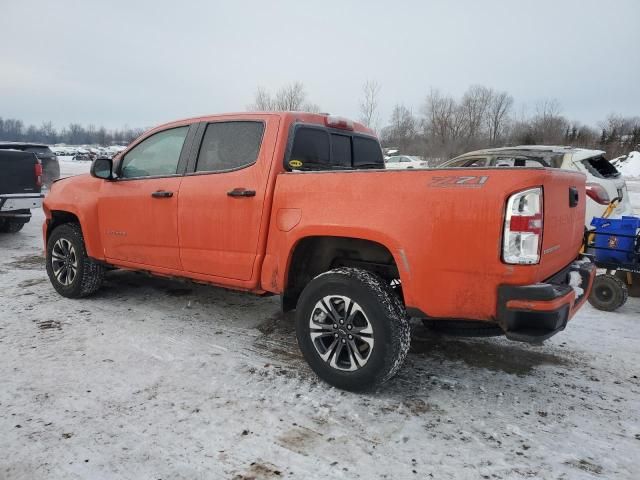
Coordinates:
(241, 192)
(162, 194)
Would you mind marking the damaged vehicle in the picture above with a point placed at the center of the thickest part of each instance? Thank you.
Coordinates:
(300, 205)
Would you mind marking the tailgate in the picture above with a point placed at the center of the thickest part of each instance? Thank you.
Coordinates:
(563, 220)
(17, 173)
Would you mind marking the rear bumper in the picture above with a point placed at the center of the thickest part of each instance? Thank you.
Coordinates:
(15, 205)
(533, 313)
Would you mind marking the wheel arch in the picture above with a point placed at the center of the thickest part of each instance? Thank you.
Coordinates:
(93, 244)
(312, 255)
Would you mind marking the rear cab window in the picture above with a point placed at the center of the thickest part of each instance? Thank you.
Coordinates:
(319, 148)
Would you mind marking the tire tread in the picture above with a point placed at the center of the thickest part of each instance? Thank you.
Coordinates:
(92, 273)
(395, 313)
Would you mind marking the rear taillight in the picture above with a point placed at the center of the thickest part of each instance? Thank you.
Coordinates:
(523, 227)
(38, 172)
(597, 193)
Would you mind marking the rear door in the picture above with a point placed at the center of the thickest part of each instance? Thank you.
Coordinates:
(138, 211)
(222, 197)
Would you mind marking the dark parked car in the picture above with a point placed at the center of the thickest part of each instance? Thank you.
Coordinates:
(82, 157)
(50, 165)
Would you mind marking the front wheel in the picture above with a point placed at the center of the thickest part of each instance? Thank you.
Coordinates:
(71, 272)
(352, 329)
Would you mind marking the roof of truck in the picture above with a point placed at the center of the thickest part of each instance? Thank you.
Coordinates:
(304, 117)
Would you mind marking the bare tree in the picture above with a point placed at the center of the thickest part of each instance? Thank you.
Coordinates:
(402, 130)
(473, 109)
(48, 132)
(369, 104)
(291, 97)
(444, 123)
(498, 115)
(548, 125)
(262, 101)
(548, 108)
(311, 107)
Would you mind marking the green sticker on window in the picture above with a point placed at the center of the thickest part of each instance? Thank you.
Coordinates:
(295, 163)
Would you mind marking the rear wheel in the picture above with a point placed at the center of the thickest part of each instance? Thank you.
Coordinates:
(352, 329)
(608, 293)
(71, 272)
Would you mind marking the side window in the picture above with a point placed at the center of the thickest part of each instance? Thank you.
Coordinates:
(341, 150)
(156, 155)
(367, 153)
(229, 146)
(310, 147)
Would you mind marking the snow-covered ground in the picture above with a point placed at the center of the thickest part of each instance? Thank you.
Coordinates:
(69, 167)
(628, 165)
(154, 378)
(633, 187)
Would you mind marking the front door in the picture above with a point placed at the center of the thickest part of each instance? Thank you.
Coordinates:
(221, 202)
(138, 211)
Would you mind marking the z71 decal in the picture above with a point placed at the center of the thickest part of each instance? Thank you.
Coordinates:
(459, 181)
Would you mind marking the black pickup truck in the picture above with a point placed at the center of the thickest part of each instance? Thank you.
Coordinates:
(49, 160)
(20, 188)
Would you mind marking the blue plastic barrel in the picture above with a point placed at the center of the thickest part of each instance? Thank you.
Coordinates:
(610, 245)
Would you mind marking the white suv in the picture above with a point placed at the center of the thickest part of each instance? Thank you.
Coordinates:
(604, 182)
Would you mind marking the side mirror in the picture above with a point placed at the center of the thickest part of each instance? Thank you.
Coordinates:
(102, 168)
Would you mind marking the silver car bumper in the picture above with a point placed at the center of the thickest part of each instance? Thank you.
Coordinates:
(20, 201)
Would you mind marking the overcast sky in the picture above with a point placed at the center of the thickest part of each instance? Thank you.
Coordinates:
(142, 63)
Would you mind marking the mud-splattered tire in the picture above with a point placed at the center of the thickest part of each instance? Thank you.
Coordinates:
(608, 293)
(66, 250)
(363, 316)
(9, 226)
(633, 289)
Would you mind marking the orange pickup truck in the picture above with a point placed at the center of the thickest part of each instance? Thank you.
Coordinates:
(300, 205)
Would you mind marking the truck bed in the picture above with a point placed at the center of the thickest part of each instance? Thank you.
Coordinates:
(443, 227)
